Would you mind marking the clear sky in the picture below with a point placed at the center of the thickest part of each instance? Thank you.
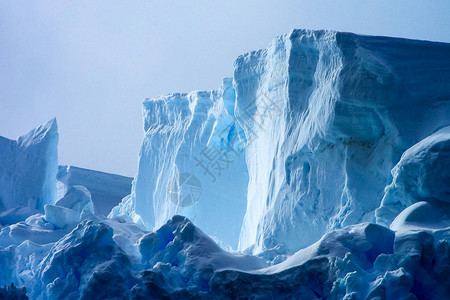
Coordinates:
(91, 63)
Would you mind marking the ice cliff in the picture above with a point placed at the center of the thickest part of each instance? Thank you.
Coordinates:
(322, 118)
(105, 190)
(325, 159)
(28, 168)
(192, 163)
(346, 108)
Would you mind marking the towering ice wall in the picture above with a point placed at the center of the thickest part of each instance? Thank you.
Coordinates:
(191, 163)
(327, 115)
(322, 117)
(28, 168)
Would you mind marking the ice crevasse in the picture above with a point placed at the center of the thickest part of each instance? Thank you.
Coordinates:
(300, 142)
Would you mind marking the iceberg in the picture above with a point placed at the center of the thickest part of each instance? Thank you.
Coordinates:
(11, 292)
(60, 216)
(180, 261)
(28, 168)
(313, 118)
(17, 214)
(104, 189)
(319, 171)
(77, 198)
(191, 163)
(85, 264)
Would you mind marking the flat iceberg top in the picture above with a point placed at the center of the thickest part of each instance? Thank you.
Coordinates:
(173, 96)
(302, 33)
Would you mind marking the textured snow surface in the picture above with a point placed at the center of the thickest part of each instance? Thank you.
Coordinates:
(82, 265)
(179, 261)
(28, 168)
(325, 158)
(77, 198)
(422, 174)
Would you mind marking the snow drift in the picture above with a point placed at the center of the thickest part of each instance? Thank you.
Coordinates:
(422, 174)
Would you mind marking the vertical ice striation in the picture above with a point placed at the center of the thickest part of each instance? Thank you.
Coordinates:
(327, 115)
(285, 98)
(422, 175)
(321, 116)
(191, 163)
(28, 168)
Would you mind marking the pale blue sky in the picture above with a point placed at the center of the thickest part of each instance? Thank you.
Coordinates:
(91, 63)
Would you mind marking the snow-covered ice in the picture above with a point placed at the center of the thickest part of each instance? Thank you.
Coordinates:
(61, 216)
(422, 174)
(344, 108)
(319, 114)
(324, 159)
(77, 198)
(28, 168)
(192, 163)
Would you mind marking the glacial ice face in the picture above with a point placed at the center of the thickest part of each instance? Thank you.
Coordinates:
(17, 214)
(191, 163)
(422, 174)
(330, 112)
(318, 114)
(11, 292)
(327, 115)
(28, 168)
